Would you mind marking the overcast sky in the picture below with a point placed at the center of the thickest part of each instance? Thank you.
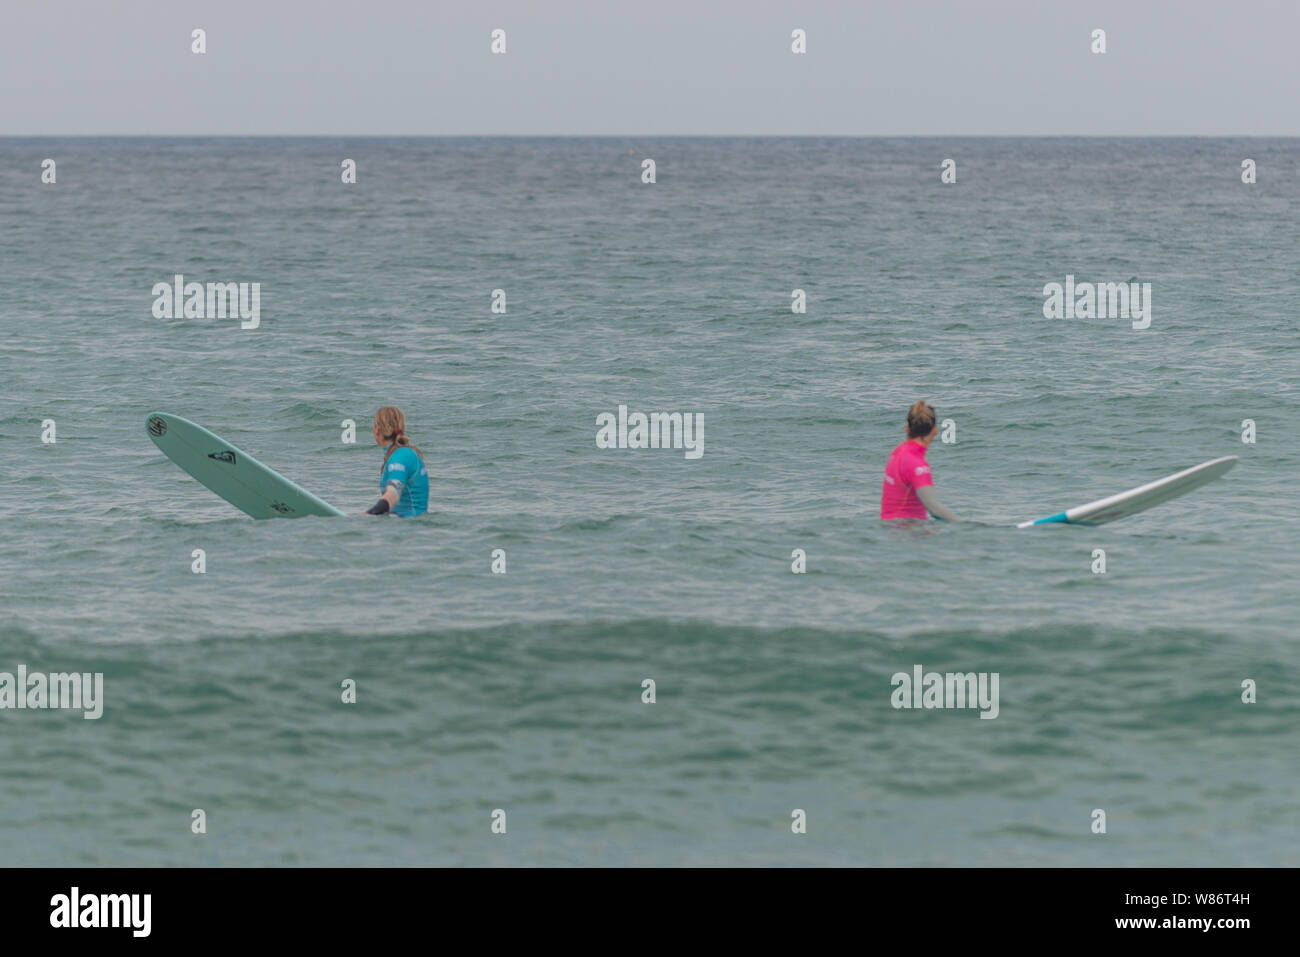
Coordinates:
(612, 67)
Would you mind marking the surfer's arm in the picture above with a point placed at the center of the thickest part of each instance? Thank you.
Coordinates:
(386, 501)
(930, 499)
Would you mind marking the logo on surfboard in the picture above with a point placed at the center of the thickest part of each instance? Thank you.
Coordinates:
(157, 427)
(282, 508)
(225, 455)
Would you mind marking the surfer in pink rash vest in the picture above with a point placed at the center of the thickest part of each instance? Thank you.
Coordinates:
(908, 490)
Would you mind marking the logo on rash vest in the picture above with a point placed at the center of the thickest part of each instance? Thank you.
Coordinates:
(922, 469)
(223, 456)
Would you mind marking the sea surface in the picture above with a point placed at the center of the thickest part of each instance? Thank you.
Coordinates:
(522, 692)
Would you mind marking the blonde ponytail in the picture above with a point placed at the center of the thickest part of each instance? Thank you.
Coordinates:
(391, 425)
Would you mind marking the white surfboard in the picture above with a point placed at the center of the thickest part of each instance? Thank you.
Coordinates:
(231, 472)
(1141, 498)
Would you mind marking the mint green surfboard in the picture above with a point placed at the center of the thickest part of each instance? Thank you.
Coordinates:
(232, 473)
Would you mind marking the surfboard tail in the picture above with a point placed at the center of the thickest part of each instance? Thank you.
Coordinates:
(1058, 517)
(1142, 497)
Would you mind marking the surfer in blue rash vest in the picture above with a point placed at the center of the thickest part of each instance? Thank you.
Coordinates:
(403, 478)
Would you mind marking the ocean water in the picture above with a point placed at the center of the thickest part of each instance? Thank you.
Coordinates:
(522, 691)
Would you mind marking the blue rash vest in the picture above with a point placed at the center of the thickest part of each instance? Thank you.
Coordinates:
(406, 472)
